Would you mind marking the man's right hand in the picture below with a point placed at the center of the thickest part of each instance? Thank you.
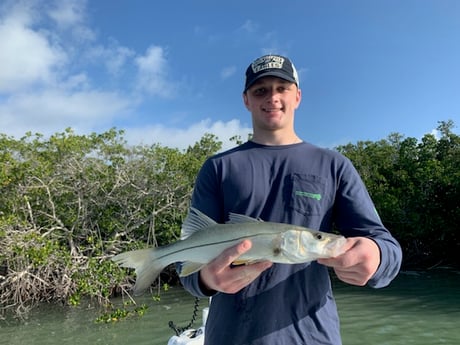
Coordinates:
(220, 275)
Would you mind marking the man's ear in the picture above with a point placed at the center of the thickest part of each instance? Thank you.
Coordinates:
(299, 97)
(245, 100)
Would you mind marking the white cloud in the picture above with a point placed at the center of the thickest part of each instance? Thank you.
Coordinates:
(26, 57)
(70, 16)
(435, 132)
(227, 72)
(249, 26)
(183, 137)
(115, 57)
(48, 55)
(69, 13)
(152, 72)
(53, 110)
(44, 90)
(41, 90)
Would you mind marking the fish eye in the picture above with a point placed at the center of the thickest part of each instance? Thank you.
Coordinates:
(319, 236)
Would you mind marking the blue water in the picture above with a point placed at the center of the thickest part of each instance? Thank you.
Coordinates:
(417, 308)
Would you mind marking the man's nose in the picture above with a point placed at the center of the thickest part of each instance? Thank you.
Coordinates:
(272, 94)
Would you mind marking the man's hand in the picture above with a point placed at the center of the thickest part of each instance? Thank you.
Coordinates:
(359, 262)
(219, 275)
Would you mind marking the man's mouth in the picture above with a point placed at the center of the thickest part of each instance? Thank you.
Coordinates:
(272, 110)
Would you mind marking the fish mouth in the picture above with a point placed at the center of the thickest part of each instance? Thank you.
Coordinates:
(336, 247)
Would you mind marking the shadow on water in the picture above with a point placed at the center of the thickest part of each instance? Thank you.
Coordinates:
(417, 308)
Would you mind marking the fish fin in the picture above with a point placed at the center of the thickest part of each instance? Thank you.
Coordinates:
(146, 269)
(189, 267)
(235, 218)
(195, 221)
(243, 262)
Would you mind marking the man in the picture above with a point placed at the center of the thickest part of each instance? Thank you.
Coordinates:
(280, 178)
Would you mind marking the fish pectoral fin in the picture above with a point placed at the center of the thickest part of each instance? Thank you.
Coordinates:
(244, 262)
(189, 267)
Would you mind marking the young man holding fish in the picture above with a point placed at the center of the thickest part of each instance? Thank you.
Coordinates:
(278, 177)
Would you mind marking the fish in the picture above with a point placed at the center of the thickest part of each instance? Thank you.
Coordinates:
(203, 239)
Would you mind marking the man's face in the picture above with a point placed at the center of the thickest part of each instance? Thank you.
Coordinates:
(272, 102)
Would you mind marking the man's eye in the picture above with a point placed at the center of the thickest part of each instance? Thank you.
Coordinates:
(260, 91)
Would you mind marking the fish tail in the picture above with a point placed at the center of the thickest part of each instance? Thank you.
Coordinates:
(145, 266)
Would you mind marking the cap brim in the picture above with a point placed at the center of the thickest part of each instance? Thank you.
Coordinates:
(270, 74)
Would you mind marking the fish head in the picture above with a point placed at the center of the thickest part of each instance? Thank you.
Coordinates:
(309, 245)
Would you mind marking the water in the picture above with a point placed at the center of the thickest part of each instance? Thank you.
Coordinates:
(418, 308)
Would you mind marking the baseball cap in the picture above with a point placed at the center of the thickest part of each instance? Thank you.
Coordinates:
(271, 65)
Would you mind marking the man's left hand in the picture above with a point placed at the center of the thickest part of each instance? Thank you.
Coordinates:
(358, 263)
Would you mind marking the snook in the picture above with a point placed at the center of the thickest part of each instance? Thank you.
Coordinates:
(203, 239)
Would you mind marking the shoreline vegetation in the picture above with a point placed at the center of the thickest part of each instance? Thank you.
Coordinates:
(69, 202)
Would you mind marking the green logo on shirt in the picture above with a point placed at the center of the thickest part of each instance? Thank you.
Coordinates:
(315, 196)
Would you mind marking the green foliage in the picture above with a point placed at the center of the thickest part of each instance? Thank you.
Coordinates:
(415, 185)
(122, 313)
(97, 278)
(35, 248)
(70, 202)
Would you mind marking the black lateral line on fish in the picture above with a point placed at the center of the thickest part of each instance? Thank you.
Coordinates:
(210, 244)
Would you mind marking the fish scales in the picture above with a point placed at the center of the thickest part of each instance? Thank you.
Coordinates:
(203, 240)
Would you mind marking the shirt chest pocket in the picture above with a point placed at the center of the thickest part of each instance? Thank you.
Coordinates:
(307, 194)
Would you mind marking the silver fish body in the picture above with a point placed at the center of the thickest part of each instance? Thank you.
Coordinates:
(203, 240)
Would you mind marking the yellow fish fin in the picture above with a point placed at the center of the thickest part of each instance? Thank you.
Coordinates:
(244, 262)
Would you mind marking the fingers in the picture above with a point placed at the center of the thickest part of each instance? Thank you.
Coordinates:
(350, 277)
(343, 260)
(229, 255)
(219, 275)
(359, 262)
(241, 276)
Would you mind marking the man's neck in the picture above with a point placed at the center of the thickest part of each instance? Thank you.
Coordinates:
(276, 139)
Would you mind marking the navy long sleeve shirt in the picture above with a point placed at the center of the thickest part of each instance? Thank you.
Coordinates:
(297, 184)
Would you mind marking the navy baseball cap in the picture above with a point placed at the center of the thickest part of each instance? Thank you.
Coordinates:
(271, 65)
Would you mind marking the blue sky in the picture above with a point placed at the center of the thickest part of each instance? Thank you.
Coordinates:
(169, 71)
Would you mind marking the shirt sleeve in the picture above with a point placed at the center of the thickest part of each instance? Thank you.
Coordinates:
(356, 215)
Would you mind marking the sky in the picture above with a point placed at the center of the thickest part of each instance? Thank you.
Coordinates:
(168, 72)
